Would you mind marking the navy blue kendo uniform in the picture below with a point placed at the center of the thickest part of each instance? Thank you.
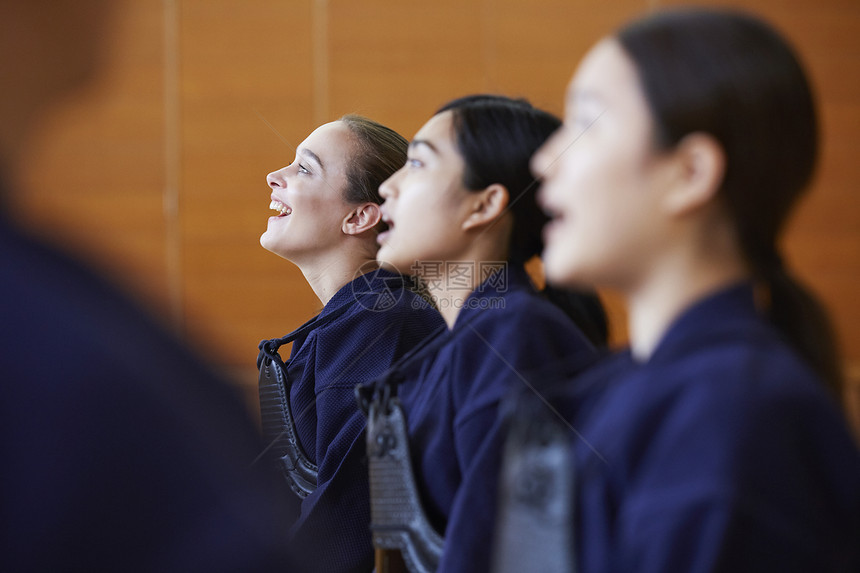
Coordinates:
(363, 329)
(721, 452)
(118, 450)
(451, 398)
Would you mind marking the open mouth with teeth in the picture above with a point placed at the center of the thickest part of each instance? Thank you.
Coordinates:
(276, 205)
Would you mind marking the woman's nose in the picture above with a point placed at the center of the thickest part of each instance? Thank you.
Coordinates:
(276, 180)
(384, 190)
(388, 187)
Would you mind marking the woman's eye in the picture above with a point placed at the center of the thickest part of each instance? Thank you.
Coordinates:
(303, 169)
(412, 162)
(585, 122)
(580, 123)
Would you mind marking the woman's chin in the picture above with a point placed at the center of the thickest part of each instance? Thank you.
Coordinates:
(264, 241)
(267, 241)
(387, 259)
(559, 270)
(273, 245)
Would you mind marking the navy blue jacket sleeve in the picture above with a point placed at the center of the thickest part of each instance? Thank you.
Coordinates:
(736, 507)
(733, 482)
(720, 452)
(495, 358)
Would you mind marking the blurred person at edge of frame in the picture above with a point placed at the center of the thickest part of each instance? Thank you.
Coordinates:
(715, 442)
(119, 451)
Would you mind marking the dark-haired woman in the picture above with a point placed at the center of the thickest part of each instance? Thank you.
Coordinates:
(463, 218)
(713, 444)
(327, 223)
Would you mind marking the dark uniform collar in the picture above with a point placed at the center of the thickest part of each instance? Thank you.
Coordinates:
(378, 290)
(708, 316)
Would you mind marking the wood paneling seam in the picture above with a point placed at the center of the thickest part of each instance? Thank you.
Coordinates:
(172, 163)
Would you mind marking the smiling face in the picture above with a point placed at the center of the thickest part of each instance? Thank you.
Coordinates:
(308, 195)
(426, 202)
(602, 177)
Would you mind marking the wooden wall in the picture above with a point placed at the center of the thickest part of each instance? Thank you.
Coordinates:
(158, 172)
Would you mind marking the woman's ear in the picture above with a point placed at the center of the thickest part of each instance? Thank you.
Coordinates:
(362, 218)
(487, 206)
(701, 167)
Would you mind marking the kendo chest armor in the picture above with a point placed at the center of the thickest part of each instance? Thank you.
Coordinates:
(398, 520)
(534, 531)
(278, 422)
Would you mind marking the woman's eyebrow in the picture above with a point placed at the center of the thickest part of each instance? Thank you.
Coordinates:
(416, 142)
(312, 156)
(584, 96)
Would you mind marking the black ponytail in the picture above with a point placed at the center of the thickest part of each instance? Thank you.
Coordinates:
(585, 309)
(804, 322)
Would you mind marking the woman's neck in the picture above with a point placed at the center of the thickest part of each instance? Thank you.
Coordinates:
(455, 283)
(450, 292)
(327, 274)
(450, 282)
(671, 287)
